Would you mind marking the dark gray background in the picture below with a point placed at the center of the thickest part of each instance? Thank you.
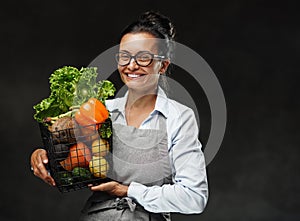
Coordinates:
(252, 46)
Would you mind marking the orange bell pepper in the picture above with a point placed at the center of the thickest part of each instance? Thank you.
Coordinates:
(91, 112)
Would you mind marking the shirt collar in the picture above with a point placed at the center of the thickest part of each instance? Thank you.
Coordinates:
(161, 104)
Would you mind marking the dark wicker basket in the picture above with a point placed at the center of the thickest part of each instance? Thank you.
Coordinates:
(77, 159)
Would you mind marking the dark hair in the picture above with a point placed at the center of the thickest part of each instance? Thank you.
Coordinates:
(156, 24)
(161, 27)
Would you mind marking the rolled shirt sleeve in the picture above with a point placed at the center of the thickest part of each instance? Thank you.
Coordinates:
(189, 192)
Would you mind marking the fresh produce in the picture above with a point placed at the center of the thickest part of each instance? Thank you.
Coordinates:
(65, 178)
(96, 131)
(64, 130)
(70, 88)
(91, 112)
(81, 174)
(71, 118)
(105, 89)
(105, 130)
(60, 151)
(79, 156)
(100, 147)
(99, 166)
(88, 134)
(62, 92)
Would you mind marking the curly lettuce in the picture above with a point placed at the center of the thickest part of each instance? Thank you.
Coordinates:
(71, 87)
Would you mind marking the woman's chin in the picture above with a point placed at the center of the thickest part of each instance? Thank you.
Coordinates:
(139, 82)
(135, 85)
(144, 87)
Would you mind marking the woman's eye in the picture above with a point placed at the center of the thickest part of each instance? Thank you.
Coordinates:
(124, 57)
(144, 57)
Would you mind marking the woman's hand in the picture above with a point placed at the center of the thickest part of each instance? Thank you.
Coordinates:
(38, 160)
(113, 188)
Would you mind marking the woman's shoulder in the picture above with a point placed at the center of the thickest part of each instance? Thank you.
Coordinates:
(181, 119)
(177, 108)
(169, 106)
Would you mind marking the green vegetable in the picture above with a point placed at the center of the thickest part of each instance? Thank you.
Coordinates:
(106, 89)
(105, 130)
(62, 88)
(81, 173)
(65, 178)
(70, 87)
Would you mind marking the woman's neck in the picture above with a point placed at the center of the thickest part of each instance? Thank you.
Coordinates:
(139, 106)
(141, 99)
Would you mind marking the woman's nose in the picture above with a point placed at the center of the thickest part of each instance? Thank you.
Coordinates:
(132, 64)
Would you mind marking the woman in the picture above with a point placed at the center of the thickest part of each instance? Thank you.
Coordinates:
(158, 164)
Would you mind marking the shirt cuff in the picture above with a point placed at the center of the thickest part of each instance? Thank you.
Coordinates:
(136, 191)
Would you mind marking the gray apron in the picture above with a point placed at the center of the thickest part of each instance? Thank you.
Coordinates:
(139, 155)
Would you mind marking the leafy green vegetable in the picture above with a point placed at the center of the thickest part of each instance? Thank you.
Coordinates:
(87, 87)
(71, 87)
(46, 108)
(63, 86)
(81, 173)
(105, 89)
(65, 178)
(105, 130)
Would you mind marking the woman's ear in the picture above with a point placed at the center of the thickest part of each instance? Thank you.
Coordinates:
(164, 66)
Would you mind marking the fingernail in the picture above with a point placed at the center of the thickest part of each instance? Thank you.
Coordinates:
(45, 161)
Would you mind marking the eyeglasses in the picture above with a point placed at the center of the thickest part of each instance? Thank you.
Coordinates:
(142, 58)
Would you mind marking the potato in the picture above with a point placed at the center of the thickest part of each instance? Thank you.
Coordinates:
(98, 166)
(64, 130)
(100, 147)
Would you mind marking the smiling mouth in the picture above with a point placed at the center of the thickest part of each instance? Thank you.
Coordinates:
(135, 75)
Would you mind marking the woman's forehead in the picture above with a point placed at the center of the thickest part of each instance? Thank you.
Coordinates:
(134, 42)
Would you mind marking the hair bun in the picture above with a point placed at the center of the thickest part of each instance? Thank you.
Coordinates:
(161, 22)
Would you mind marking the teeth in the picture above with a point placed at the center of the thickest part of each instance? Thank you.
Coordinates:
(133, 75)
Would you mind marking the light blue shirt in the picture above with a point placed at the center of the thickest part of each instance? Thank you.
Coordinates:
(189, 192)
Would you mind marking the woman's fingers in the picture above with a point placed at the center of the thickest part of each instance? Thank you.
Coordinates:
(38, 160)
(43, 157)
(37, 163)
(104, 186)
(113, 188)
(50, 180)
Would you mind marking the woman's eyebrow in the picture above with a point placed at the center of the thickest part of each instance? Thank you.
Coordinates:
(136, 53)
(125, 51)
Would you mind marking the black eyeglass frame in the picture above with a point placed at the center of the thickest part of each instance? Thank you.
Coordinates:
(153, 56)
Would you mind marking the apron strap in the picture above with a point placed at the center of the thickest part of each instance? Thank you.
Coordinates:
(114, 115)
(162, 122)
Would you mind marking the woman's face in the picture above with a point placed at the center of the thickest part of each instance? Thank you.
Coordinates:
(133, 75)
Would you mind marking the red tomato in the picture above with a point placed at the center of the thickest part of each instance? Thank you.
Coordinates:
(79, 156)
